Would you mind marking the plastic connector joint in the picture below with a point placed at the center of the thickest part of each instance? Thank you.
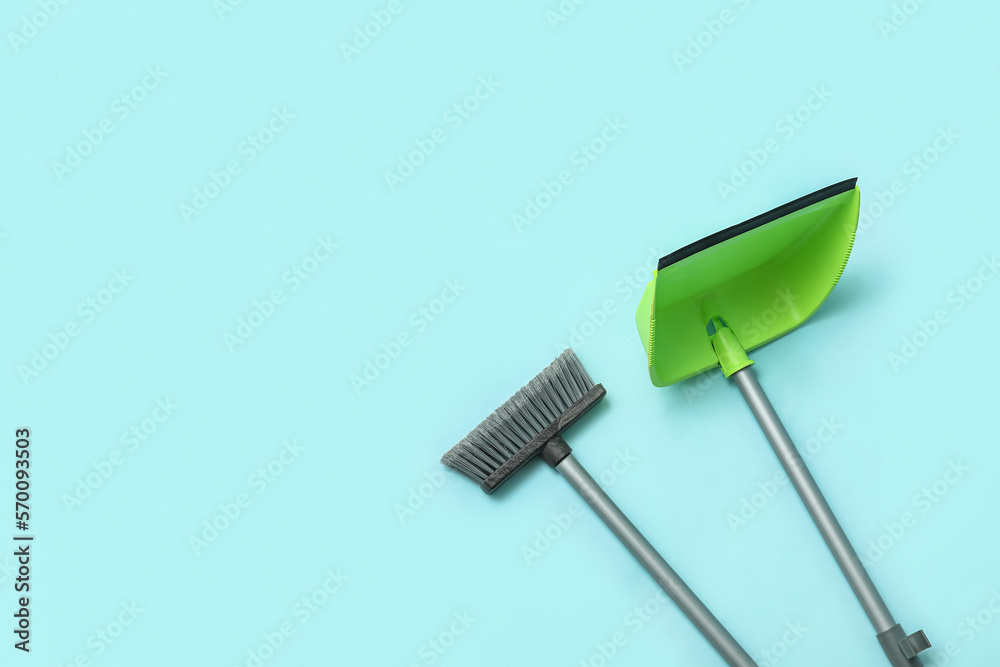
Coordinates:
(729, 350)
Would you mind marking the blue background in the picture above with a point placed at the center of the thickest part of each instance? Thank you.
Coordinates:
(364, 497)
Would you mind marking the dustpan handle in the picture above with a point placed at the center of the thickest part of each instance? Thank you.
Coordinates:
(649, 558)
(900, 649)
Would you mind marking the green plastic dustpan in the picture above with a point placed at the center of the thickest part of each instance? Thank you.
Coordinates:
(714, 300)
(764, 277)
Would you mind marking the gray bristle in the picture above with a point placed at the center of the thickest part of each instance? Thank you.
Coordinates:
(511, 426)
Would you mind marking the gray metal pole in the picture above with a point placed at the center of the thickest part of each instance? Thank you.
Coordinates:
(889, 633)
(672, 584)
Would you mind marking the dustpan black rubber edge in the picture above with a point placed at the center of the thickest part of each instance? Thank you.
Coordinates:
(757, 221)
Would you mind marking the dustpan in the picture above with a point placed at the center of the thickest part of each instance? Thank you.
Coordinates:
(716, 299)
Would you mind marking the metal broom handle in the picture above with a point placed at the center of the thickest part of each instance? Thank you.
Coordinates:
(654, 563)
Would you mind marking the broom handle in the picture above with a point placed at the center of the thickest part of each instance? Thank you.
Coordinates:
(654, 563)
(888, 631)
